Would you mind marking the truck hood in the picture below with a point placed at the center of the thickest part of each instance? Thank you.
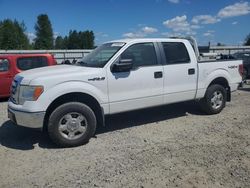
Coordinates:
(58, 72)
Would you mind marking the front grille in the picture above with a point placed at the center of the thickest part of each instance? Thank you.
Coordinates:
(15, 89)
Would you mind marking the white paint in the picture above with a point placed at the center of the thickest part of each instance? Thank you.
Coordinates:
(120, 92)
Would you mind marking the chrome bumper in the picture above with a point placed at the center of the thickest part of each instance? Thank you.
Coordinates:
(26, 119)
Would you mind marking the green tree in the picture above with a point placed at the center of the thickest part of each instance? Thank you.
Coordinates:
(44, 33)
(12, 35)
(66, 41)
(60, 43)
(74, 41)
(22, 39)
(247, 40)
(87, 38)
(91, 40)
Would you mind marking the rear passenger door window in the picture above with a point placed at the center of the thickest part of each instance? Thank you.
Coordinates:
(4, 65)
(175, 53)
(26, 63)
(142, 54)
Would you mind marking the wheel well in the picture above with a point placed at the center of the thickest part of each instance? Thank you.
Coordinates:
(223, 82)
(75, 97)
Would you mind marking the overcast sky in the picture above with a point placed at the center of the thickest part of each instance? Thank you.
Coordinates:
(224, 21)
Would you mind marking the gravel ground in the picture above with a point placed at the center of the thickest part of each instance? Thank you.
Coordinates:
(170, 146)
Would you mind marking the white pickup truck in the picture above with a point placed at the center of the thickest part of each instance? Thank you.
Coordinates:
(69, 101)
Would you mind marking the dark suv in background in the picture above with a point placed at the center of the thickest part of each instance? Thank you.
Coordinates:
(245, 56)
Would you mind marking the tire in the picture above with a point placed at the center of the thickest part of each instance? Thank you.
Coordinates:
(71, 124)
(214, 100)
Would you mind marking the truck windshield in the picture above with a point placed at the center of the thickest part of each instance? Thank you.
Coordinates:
(101, 55)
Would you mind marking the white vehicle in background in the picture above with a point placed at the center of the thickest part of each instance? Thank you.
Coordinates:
(70, 101)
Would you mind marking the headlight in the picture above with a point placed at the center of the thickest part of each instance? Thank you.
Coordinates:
(29, 93)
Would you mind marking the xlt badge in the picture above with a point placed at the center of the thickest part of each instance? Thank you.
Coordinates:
(97, 79)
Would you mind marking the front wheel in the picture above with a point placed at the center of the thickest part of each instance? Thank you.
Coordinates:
(214, 100)
(72, 124)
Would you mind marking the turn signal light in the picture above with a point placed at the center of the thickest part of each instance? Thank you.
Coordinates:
(38, 91)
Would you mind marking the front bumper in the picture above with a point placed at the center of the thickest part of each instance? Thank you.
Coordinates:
(26, 119)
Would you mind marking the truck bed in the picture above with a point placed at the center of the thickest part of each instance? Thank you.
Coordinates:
(228, 69)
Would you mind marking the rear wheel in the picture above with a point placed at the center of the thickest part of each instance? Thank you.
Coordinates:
(72, 124)
(214, 100)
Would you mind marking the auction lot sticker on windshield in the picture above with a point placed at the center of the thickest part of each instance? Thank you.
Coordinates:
(118, 44)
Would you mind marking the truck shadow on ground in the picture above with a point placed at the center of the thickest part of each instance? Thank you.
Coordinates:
(21, 138)
(3, 100)
(245, 86)
(244, 89)
(149, 115)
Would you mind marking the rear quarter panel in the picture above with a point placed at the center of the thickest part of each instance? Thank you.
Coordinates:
(209, 71)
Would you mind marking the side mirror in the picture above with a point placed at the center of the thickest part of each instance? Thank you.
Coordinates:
(124, 65)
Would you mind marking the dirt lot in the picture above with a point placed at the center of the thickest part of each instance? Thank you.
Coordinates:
(170, 146)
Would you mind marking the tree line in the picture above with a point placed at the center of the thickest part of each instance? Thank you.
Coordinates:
(76, 40)
(13, 36)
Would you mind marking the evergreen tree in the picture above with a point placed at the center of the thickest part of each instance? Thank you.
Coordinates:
(74, 40)
(90, 39)
(44, 33)
(247, 40)
(66, 42)
(87, 38)
(12, 35)
(22, 39)
(60, 43)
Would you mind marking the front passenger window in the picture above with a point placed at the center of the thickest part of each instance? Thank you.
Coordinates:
(4, 65)
(142, 54)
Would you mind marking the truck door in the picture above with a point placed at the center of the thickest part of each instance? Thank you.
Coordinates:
(5, 77)
(140, 87)
(180, 72)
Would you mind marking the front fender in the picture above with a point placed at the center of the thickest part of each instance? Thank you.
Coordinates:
(48, 96)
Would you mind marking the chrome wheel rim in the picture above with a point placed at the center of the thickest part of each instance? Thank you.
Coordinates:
(216, 100)
(72, 125)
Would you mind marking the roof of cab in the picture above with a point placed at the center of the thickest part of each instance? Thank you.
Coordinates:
(132, 40)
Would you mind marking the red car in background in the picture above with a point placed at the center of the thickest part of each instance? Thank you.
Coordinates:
(12, 64)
